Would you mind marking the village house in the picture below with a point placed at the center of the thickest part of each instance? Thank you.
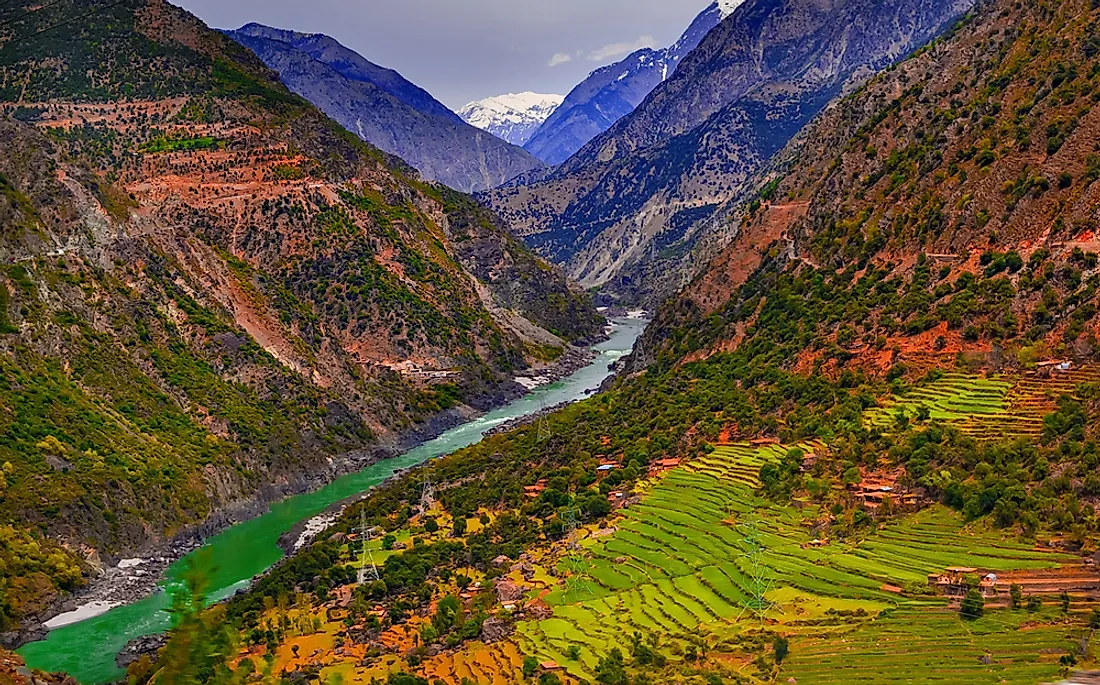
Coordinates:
(536, 489)
(662, 465)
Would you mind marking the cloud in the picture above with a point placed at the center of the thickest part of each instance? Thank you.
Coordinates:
(560, 58)
(615, 50)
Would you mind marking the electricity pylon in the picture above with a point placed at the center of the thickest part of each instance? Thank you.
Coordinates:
(427, 495)
(542, 426)
(578, 565)
(365, 554)
(758, 580)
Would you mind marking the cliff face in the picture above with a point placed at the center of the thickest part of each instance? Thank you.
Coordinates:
(386, 110)
(208, 286)
(627, 206)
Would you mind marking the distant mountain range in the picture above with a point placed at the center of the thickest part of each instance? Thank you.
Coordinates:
(386, 110)
(513, 117)
(627, 210)
(612, 92)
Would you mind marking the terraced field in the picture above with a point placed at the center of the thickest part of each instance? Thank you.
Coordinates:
(991, 408)
(918, 645)
(681, 564)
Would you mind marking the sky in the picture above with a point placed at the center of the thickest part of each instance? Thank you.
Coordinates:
(465, 50)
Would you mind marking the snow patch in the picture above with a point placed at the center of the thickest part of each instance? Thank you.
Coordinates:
(726, 7)
(511, 116)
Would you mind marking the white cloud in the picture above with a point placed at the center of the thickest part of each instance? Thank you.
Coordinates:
(615, 50)
(560, 58)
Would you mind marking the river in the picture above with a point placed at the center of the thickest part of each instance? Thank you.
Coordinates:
(86, 650)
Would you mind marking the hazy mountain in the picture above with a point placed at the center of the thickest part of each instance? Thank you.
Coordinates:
(612, 92)
(386, 110)
(513, 117)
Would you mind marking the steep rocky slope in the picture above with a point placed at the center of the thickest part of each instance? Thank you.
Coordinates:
(946, 210)
(514, 117)
(610, 93)
(386, 110)
(208, 288)
(632, 196)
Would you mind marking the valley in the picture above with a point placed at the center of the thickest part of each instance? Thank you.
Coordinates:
(251, 323)
(233, 557)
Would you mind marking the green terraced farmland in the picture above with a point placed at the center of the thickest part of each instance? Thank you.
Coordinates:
(694, 557)
(929, 645)
(679, 565)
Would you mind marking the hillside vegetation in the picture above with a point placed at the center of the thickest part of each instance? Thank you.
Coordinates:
(207, 287)
(862, 445)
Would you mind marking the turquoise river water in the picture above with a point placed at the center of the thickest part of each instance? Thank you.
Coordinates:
(86, 650)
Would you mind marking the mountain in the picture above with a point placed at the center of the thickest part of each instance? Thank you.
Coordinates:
(952, 196)
(624, 210)
(211, 294)
(513, 117)
(386, 110)
(892, 369)
(612, 92)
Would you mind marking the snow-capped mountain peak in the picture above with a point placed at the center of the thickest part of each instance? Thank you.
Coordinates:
(726, 7)
(514, 116)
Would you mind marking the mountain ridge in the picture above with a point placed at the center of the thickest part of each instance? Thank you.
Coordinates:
(613, 91)
(208, 289)
(386, 110)
(513, 117)
(624, 211)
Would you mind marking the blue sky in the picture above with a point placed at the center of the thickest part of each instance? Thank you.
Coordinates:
(470, 49)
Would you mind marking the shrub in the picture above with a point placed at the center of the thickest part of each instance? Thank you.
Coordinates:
(973, 605)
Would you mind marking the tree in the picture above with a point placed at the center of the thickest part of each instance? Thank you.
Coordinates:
(573, 652)
(782, 648)
(1016, 596)
(200, 641)
(530, 665)
(431, 525)
(973, 605)
(611, 669)
(1034, 603)
(459, 526)
(549, 679)
(1065, 602)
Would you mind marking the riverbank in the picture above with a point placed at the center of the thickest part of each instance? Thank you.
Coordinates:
(234, 557)
(118, 581)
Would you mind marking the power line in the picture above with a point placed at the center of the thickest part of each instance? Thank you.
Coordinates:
(29, 13)
(88, 15)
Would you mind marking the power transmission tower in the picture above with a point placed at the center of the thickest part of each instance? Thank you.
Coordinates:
(427, 495)
(758, 579)
(542, 427)
(578, 565)
(365, 554)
